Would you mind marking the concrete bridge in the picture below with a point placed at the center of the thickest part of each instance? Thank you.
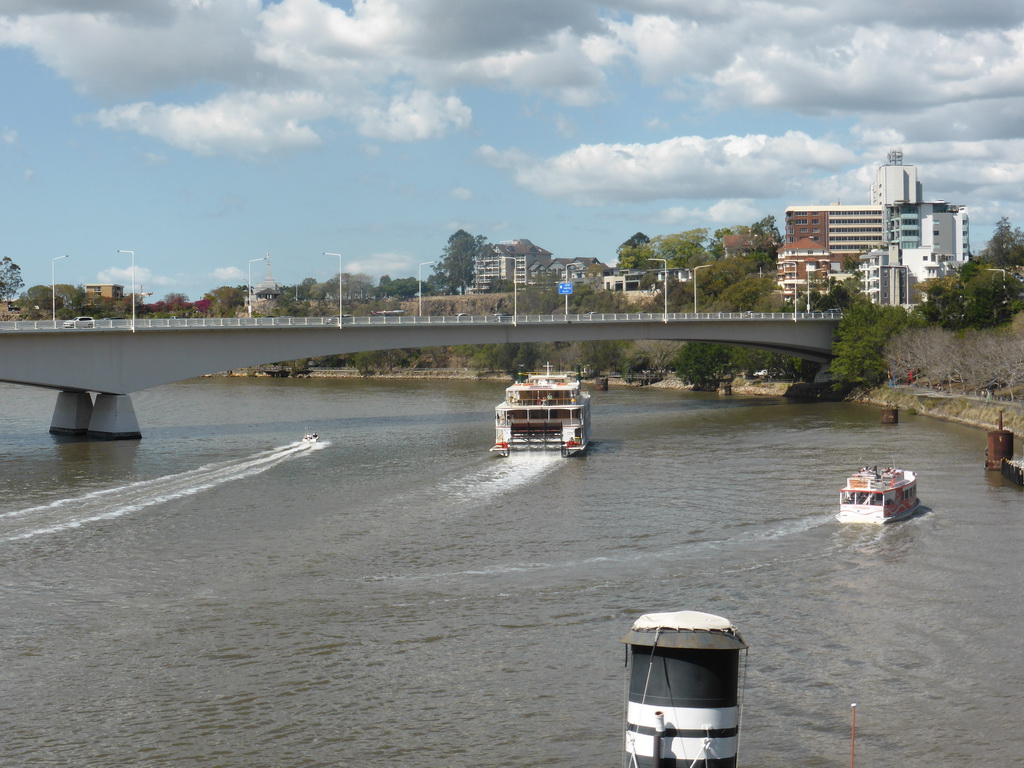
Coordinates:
(114, 358)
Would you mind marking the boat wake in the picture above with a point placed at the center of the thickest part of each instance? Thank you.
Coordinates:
(110, 503)
(500, 477)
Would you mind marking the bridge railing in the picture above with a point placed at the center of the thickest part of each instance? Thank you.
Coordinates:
(171, 323)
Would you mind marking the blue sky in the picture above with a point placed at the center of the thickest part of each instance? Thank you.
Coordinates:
(205, 133)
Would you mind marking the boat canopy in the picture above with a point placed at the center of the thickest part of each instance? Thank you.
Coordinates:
(684, 629)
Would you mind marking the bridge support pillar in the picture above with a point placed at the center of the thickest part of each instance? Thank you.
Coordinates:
(72, 414)
(113, 418)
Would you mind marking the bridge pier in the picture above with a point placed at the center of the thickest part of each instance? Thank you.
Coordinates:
(72, 414)
(113, 418)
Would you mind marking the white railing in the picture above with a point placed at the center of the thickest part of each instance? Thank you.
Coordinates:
(175, 323)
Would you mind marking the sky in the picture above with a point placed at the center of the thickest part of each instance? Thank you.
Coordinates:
(205, 134)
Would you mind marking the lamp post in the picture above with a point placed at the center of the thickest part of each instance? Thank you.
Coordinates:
(567, 295)
(664, 316)
(419, 286)
(133, 285)
(702, 266)
(808, 274)
(248, 298)
(53, 287)
(339, 284)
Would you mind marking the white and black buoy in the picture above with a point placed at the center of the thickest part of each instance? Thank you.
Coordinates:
(683, 702)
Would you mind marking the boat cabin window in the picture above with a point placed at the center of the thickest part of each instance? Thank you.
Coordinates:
(861, 497)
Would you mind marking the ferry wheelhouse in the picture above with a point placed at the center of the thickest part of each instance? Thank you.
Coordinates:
(543, 410)
(874, 495)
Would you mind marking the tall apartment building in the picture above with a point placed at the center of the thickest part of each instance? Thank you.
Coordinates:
(842, 229)
(920, 239)
(895, 182)
(938, 227)
(507, 260)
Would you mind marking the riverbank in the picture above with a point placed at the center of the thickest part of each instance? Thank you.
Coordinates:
(739, 386)
(961, 410)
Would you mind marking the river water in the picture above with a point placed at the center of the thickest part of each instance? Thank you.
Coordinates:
(218, 594)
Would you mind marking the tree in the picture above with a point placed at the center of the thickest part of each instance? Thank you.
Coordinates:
(704, 364)
(226, 301)
(638, 239)
(402, 288)
(659, 355)
(1006, 248)
(765, 238)
(974, 297)
(682, 249)
(860, 343)
(10, 279)
(724, 275)
(634, 253)
(716, 247)
(600, 356)
(752, 294)
(454, 271)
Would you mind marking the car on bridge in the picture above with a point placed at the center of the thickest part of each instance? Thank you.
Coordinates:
(80, 322)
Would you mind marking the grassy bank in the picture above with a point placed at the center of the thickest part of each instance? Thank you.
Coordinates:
(962, 410)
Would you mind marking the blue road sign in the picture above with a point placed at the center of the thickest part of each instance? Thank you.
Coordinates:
(564, 289)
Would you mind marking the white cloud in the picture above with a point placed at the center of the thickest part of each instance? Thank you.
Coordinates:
(724, 213)
(143, 277)
(560, 68)
(253, 78)
(384, 264)
(421, 115)
(228, 274)
(461, 193)
(113, 50)
(248, 123)
(689, 167)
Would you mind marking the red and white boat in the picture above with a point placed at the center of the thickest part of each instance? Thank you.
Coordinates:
(876, 495)
(543, 410)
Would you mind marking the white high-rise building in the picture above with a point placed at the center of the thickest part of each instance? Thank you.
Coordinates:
(896, 182)
(914, 240)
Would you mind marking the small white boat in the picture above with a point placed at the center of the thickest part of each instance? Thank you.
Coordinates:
(543, 410)
(310, 437)
(874, 495)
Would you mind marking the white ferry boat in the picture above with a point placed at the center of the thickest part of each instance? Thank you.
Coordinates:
(543, 410)
(876, 495)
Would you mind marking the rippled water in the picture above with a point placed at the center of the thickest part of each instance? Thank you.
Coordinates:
(220, 594)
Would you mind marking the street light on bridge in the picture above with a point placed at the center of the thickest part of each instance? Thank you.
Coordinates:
(694, 271)
(664, 317)
(249, 297)
(133, 285)
(53, 287)
(419, 286)
(339, 285)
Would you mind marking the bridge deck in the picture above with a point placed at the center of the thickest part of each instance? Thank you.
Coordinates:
(119, 357)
